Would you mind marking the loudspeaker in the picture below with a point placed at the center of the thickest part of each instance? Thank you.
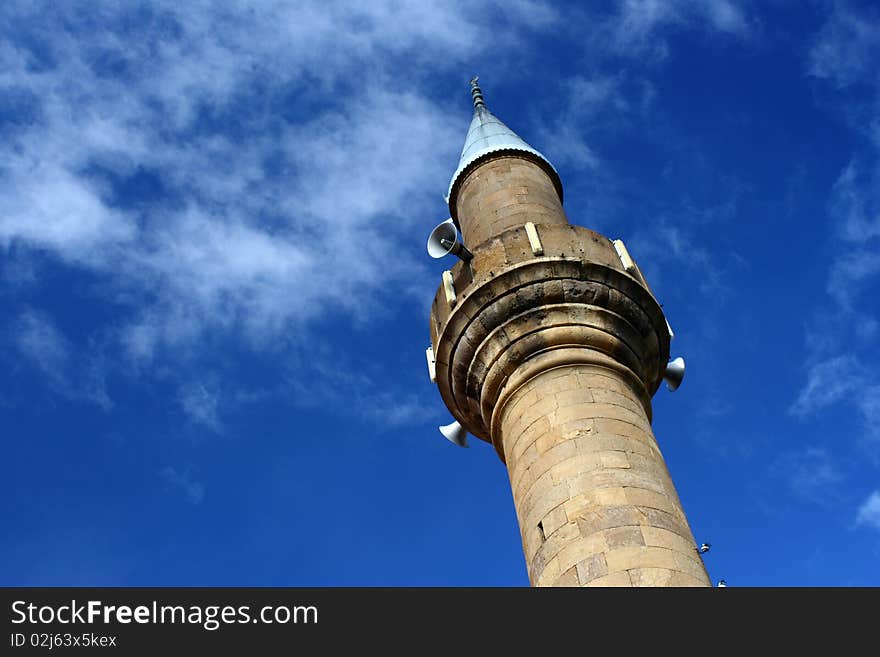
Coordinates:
(455, 433)
(674, 373)
(444, 240)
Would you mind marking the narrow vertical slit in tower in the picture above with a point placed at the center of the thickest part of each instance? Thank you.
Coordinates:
(541, 529)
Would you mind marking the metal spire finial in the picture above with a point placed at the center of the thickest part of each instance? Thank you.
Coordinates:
(486, 136)
(477, 93)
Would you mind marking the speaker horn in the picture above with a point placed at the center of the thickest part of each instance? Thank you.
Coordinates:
(455, 433)
(444, 240)
(674, 373)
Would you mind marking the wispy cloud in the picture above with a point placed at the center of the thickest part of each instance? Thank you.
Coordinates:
(200, 405)
(868, 514)
(357, 391)
(829, 381)
(811, 473)
(236, 171)
(633, 33)
(75, 375)
(854, 209)
(842, 379)
(392, 411)
(842, 340)
(250, 197)
(855, 203)
(582, 105)
(241, 171)
(847, 48)
(674, 246)
(183, 482)
(642, 26)
(39, 340)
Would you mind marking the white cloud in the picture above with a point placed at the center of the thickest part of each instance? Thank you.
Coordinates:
(829, 382)
(665, 246)
(841, 340)
(641, 25)
(362, 392)
(51, 208)
(201, 405)
(194, 491)
(842, 380)
(847, 48)
(634, 31)
(850, 272)
(70, 373)
(582, 106)
(868, 514)
(40, 341)
(811, 473)
(854, 208)
(292, 150)
(263, 218)
(389, 411)
(855, 203)
(725, 16)
(868, 403)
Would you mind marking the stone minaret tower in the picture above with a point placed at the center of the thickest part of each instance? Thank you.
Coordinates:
(549, 344)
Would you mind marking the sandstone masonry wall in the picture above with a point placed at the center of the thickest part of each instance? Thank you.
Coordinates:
(595, 501)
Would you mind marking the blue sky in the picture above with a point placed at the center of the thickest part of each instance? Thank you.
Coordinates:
(215, 288)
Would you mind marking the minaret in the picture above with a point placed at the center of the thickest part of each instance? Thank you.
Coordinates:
(549, 344)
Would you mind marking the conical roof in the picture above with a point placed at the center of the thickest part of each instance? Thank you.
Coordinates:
(488, 135)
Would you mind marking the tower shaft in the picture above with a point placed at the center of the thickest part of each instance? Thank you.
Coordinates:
(503, 193)
(595, 502)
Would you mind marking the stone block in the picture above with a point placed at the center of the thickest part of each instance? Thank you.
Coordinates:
(521, 476)
(615, 459)
(616, 412)
(610, 496)
(627, 478)
(571, 397)
(575, 465)
(569, 413)
(525, 439)
(547, 576)
(648, 498)
(553, 521)
(579, 549)
(592, 568)
(568, 579)
(622, 537)
(533, 539)
(691, 564)
(606, 396)
(528, 457)
(626, 558)
(660, 537)
(640, 444)
(612, 579)
(618, 427)
(596, 519)
(541, 501)
(532, 487)
(581, 428)
(679, 579)
(558, 540)
(550, 440)
(651, 576)
(665, 520)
